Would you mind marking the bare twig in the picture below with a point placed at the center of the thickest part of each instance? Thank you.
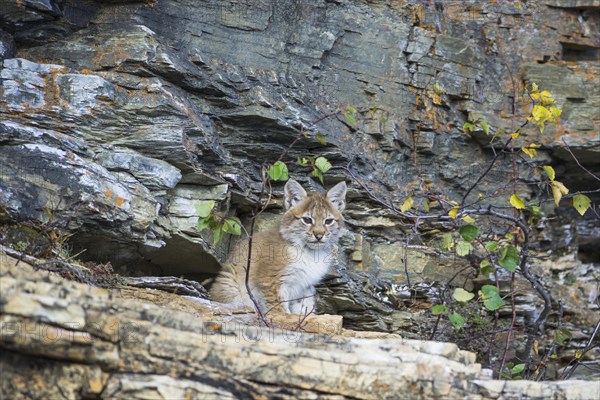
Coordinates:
(405, 261)
(487, 171)
(542, 364)
(512, 322)
(568, 373)
(577, 161)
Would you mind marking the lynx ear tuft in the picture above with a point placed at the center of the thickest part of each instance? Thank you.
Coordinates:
(337, 196)
(294, 194)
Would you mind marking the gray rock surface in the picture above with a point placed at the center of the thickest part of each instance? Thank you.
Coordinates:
(62, 339)
(118, 118)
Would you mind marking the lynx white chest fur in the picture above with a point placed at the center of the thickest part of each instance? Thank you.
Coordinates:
(290, 260)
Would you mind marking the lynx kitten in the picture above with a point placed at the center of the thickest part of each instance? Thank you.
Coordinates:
(288, 261)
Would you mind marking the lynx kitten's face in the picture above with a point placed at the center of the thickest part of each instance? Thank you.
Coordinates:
(313, 220)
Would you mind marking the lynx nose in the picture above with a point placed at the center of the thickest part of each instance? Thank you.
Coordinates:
(319, 235)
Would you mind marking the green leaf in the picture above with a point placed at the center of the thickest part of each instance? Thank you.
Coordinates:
(535, 211)
(457, 320)
(562, 334)
(469, 232)
(461, 295)
(303, 161)
(467, 126)
(316, 172)
(203, 223)
(491, 246)
(484, 125)
(488, 291)
(232, 227)
(485, 266)
(516, 202)
(509, 258)
(439, 309)
(349, 116)
(447, 242)
(491, 297)
(517, 369)
(549, 171)
(278, 171)
(322, 164)
(204, 208)
(581, 203)
(463, 248)
(320, 138)
(217, 234)
(407, 205)
(505, 376)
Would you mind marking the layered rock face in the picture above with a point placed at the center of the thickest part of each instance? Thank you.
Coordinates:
(66, 340)
(119, 118)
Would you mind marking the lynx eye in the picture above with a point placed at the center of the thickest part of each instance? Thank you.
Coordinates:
(329, 221)
(307, 220)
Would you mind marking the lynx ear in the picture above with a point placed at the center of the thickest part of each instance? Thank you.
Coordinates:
(294, 194)
(337, 196)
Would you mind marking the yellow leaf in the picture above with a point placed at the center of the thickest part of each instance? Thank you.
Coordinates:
(468, 219)
(530, 150)
(550, 172)
(408, 203)
(515, 135)
(517, 202)
(581, 203)
(546, 98)
(540, 114)
(461, 295)
(558, 190)
(563, 189)
(453, 212)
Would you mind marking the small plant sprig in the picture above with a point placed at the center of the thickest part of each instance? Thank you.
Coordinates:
(513, 371)
(218, 223)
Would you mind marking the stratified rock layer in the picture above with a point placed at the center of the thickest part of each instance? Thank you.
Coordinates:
(62, 339)
(118, 118)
